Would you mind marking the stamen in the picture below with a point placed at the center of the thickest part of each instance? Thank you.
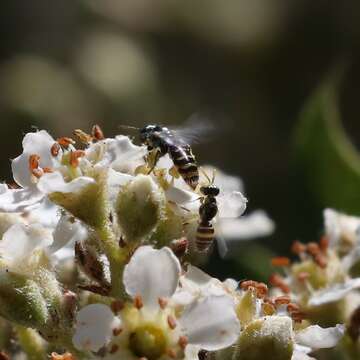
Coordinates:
(246, 284)
(171, 322)
(183, 341)
(303, 276)
(298, 247)
(55, 149)
(162, 303)
(117, 331)
(138, 302)
(74, 157)
(117, 306)
(38, 173)
(180, 246)
(65, 141)
(114, 349)
(277, 281)
(47, 170)
(313, 248)
(282, 300)
(292, 307)
(261, 290)
(83, 136)
(320, 260)
(34, 162)
(324, 243)
(268, 309)
(280, 261)
(97, 132)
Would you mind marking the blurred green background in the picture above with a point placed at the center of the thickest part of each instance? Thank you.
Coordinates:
(249, 66)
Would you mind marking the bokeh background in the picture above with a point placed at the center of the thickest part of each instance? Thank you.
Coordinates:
(250, 66)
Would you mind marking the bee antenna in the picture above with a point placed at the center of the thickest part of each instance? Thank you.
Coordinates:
(128, 127)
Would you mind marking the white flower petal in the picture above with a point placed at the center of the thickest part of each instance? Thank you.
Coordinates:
(300, 355)
(211, 323)
(232, 204)
(333, 293)
(54, 182)
(119, 153)
(257, 224)
(152, 274)
(115, 181)
(94, 325)
(351, 259)
(191, 352)
(338, 225)
(67, 231)
(47, 214)
(181, 196)
(317, 337)
(35, 143)
(20, 240)
(18, 200)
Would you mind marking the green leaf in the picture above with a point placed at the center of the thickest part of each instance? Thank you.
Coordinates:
(325, 156)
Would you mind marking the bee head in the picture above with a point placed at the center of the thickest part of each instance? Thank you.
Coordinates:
(147, 131)
(211, 190)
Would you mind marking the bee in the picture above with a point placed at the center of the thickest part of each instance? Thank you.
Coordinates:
(165, 141)
(208, 211)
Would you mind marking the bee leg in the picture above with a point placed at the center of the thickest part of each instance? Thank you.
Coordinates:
(155, 160)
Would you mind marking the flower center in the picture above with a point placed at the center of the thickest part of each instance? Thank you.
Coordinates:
(148, 341)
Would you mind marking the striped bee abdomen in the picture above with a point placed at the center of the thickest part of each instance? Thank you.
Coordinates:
(185, 163)
(205, 235)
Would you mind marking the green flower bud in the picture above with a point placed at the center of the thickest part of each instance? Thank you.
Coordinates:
(22, 301)
(139, 207)
(89, 204)
(269, 337)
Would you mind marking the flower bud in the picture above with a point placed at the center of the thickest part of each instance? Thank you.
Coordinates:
(89, 203)
(22, 301)
(269, 336)
(139, 207)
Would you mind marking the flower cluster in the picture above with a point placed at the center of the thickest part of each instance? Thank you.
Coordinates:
(99, 242)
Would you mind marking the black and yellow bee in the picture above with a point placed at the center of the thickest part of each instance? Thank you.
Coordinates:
(165, 141)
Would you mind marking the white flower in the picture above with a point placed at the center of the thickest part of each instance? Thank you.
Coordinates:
(45, 167)
(21, 242)
(342, 230)
(151, 327)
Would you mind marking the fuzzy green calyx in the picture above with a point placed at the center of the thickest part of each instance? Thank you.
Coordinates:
(148, 342)
(139, 207)
(269, 336)
(22, 301)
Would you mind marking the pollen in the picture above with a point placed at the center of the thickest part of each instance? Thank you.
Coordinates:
(282, 300)
(65, 142)
(55, 149)
(162, 303)
(83, 136)
(34, 162)
(97, 132)
(138, 302)
(324, 243)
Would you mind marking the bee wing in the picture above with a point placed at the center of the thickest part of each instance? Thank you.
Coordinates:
(196, 129)
(220, 240)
